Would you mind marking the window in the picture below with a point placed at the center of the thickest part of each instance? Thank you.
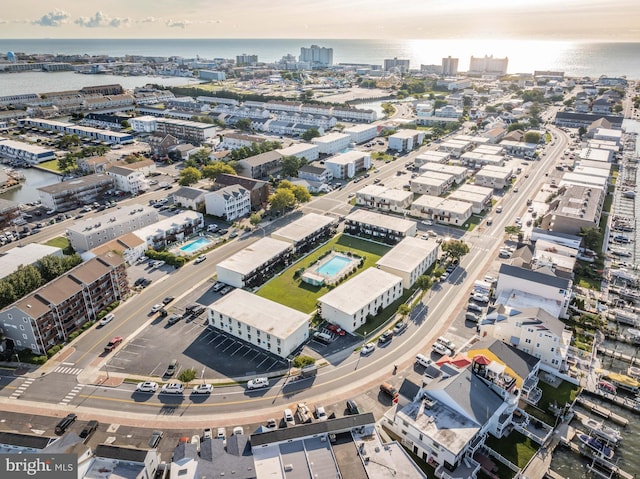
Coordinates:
(21, 327)
(24, 336)
(9, 315)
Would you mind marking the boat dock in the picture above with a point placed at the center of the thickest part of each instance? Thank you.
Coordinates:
(618, 355)
(603, 411)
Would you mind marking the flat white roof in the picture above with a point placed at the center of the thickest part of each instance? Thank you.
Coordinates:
(489, 149)
(28, 147)
(331, 137)
(405, 134)
(587, 180)
(248, 259)
(433, 156)
(11, 259)
(471, 138)
(166, 224)
(610, 132)
(373, 190)
(303, 227)
(488, 158)
(479, 190)
(260, 313)
(408, 254)
(444, 204)
(360, 290)
(360, 128)
(296, 149)
(594, 164)
(588, 170)
(454, 144)
(594, 154)
(442, 168)
(383, 221)
(347, 157)
(394, 194)
(429, 180)
(467, 196)
(124, 213)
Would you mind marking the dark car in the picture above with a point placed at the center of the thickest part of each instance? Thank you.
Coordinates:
(223, 231)
(174, 318)
(352, 407)
(65, 422)
(163, 313)
(89, 429)
(167, 300)
(399, 327)
(155, 439)
(386, 337)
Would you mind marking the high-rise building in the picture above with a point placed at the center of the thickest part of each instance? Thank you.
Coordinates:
(449, 66)
(317, 56)
(245, 59)
(402, 65)
(488, 66)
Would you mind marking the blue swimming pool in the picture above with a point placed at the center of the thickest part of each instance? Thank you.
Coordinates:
(195, 245)
(333, 266)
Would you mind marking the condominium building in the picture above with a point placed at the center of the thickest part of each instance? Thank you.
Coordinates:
(95, 134)
(449, 67)
(262, 166)
(497, 177)
(488, 65)
(169, 230)
(396, 63)
(316, 56)
(231, 202)
(48, 316)
(23, 255)
(347, 165)
(350, 304)
(383, 198)
(301, 150)
(361, 133)
(70, 194)
(384, 228)
(332, 143)
(278, 329)
(255, 264)
(431, 183)
(188, 197)
(406, 140)
(187, 130)
(409, 259)
(32, 154)
(576, 207)
(442, 210)
(86, 234)
(307, 232)
(128, 179)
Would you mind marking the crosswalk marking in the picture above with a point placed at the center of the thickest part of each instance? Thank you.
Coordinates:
(20, 389)
(67, 370)
(71, 394)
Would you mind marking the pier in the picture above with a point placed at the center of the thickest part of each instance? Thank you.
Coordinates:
(618, 355)
(603, 411)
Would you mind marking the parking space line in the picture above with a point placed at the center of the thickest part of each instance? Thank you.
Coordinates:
(241, 347)
(274, 364)
(264, 360)
(224, 342)
(248, 351)
(231, 345)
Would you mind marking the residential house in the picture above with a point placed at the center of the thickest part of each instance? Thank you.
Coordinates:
(263, 166)
(258, 189)
(231, 202)
(191, 198)
(128, 180)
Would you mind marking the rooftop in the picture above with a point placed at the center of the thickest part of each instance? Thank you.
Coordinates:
(274, 318)
(166, 224)
(357, 292)
(331, 137)
(26, 254)
(444, 204)
(112, 217)
(74, 184)
(388, 222)
(254, 256)
(303, 227)
(408, 254)
(347, 157)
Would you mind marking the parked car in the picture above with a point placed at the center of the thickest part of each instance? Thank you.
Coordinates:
(321, 414)
(288, 418)
(258, 383)
(65, 423)
(172, 388)
(399, 327)
(225, 290)
(386, 337)
(271, 424)
(156, 307)
(111, 345)
(203, 389)
(167, 300)
(89, 429)
(336, 329)
(352, 407)
(221, 433)
(469, 316)
(200, 259)
(207, 433)
(441, 349)
(367, 349)
(155, 439)
(107, 319)
(447, 343)
(147, 387)
(237, 431)
(171, 368)
(218, 286)
(174, 318)
(474, 307)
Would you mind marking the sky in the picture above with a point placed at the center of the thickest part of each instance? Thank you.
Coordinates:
(585, 20)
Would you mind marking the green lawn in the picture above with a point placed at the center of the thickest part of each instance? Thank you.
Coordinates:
(284, 289)
(50, 165)
(517, 448)
(61, 242)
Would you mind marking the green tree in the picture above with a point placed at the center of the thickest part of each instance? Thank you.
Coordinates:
(189, 176)
(201, 156)
(25, 279)
(243, 124)
(310, 134)
(455, 248)
(291, 164)
(255, 219)
(7, 293)
(591, 237)
(282, 199)
(532, 137)
(404, 310)
(424, 282)
(212, 170)
(301, 194)
(67, 162)
(188, 375)
(512, 230)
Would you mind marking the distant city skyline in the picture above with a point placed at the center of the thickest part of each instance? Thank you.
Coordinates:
(581, 20)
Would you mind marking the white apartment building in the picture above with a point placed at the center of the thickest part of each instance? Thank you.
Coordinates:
(520, 287)
(86, 234)
(172, 229)
(531, 330)
(238, 140)
(454, 148)
(349, 304)
(277, 329)
(346, 165)
(143, 124)
(409, 259)
(301, 150)
(496, 177)
(106, 136)
(231, 202)
(332, 143)
(442, 210)
(431, 183)
(361, 133)
(383, 228)
(383, 198)
(127, 179)
(459, 173)
(33, 154)
(23, 255)
(254, 264)
(478, 196)
(431, 157)
(406, 140)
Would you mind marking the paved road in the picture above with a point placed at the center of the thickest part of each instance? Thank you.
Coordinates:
(348, 373)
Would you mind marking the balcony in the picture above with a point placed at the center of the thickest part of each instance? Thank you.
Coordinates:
(467, 469)
(532, 396)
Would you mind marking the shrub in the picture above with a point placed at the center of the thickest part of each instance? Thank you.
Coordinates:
(74, 335)
(187, 375)
(54, 350)
(302, 360)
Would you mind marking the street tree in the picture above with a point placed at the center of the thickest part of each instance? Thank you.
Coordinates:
(424, 282)
(591, 237)
(189, 176)
(310, 134)
(201, 156)
(532, 137)
(455, 248)
(255, 219)
(282, 199)
(213, 170)
(404, 310)
(291, 164)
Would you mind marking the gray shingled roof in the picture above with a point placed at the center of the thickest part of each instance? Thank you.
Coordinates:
(534, 276)
(520, 362)
(122, 453)
(189, 193)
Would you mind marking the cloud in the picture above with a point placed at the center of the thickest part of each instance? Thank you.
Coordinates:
(54, 18)
(102, 20)
(178, 23)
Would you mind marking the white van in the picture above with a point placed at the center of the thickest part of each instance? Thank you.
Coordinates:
(422, 360)
(323, 338)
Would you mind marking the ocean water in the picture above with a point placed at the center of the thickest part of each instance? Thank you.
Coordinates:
(574, 58)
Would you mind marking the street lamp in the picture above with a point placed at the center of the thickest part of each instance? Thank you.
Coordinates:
(18, 358)
(106, 369)
(289, 371)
